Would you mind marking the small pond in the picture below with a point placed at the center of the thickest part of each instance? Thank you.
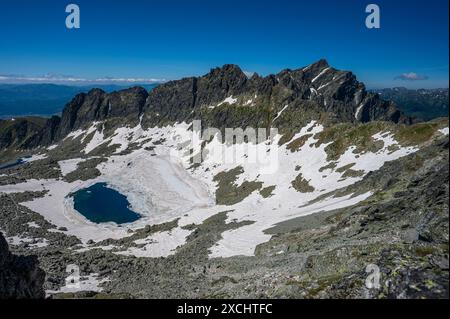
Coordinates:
(101, 204)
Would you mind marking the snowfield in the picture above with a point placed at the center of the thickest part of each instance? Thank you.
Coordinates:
(162, 185)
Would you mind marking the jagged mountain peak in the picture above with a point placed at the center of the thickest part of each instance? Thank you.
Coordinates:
(232, 69)
(320, 64)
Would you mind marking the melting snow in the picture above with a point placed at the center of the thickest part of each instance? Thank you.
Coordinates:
(281, 112)
(358, 110)
(69, 166)
(34, 158)
(85, 283)
(160, 186)
(444, 131)
(230, 100)
(320, 74)
(96, 141)
(31, 242)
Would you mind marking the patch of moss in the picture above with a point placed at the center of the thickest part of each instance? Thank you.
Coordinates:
(332, 165)
(411, 135)
(227, 192)
(85, 170)
(267, 192)
(296, 144)
(415, 163)
(342, 136)
(286, 138)
(425, 251)
(352, 173)
(345, 168)
(302, 185)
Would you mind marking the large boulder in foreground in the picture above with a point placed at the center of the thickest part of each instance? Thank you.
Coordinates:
(20, 276)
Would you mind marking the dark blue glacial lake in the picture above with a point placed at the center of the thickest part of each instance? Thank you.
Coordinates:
(101, 204)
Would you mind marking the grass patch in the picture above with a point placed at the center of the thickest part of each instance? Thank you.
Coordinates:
(302, 185)
(267, 192)
(228, 193)
(296, 144)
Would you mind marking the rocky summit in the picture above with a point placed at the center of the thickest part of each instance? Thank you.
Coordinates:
(347, 199)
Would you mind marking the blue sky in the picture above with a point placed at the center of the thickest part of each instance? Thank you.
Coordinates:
(171, 39)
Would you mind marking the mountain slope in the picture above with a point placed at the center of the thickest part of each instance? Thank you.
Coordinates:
(346, 182)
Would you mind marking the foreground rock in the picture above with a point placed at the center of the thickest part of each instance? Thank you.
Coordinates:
(20, 276)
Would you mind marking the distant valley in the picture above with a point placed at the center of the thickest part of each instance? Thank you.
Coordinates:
(45, 99)
(426, 104)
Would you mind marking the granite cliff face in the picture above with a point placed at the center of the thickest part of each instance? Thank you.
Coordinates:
(316, 89)
(20, 276)
(225, 97)
(20, 133)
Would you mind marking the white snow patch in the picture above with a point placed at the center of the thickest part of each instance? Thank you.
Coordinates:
(75, 134)
(444, 131)
(320, 74)
(69, 166)
(230, 100)
(281, 112)
(33, 225)
(86, 283)
(96, 141)
(358, 110)
(33, 158)
(324, 85)
(31, 242)
(161, 244)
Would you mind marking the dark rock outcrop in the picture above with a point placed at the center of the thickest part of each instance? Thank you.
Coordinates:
(20, 276)
(98, 105)
(21, 132)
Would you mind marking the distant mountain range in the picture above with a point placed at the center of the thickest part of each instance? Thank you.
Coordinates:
(425, 104)
(44, 99)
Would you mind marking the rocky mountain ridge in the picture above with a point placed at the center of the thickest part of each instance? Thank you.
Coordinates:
(225, 97)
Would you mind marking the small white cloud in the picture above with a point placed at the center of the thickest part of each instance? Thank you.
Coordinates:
(67, 79)
(411, 76)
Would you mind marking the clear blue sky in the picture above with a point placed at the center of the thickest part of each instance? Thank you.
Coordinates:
(170, 39)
